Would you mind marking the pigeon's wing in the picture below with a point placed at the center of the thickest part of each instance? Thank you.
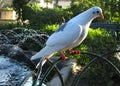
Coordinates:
(68, 34)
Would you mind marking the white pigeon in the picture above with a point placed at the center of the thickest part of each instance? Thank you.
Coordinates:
(70, 34)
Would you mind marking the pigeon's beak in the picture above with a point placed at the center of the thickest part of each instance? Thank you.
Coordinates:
(101, 15)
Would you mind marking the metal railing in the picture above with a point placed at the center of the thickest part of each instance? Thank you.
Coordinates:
(39, 82)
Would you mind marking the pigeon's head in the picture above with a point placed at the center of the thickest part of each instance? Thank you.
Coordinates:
(97, 12)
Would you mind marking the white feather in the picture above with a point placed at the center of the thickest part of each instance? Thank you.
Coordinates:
(66, 37)
(43, 53)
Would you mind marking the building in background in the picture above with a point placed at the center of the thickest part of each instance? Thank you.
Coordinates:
(7, 14)
(54, 3)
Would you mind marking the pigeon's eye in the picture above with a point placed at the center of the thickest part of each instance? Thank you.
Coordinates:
(97, 12)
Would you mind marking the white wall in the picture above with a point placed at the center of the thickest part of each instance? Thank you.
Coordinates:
(61, 3)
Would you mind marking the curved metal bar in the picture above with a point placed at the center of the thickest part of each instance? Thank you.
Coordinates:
(108, 61)
(75, 82)
(60, 76)
(35, 79)
(91, 62)
(48, 72)
(110, 52)
(31, 74)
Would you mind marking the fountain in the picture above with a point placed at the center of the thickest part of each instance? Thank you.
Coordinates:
(16, 48)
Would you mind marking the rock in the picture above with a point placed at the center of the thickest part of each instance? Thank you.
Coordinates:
(16, 53)
(65, 72)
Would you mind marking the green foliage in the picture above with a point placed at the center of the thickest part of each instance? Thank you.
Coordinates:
(50, 28)
(110, 8)
(8, 8)
(18, 5)
(7, 26)
(40, 17)
(99, 41)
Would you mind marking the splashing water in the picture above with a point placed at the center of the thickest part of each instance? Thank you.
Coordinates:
(22, 37)
(11, 71)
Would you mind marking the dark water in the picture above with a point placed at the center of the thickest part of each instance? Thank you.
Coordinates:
(12, 72)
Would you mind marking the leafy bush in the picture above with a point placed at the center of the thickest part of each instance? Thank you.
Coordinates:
(7, 26)
(40, 17)
(50, 28)
(110, 9)
(102, 38)
(99, 41)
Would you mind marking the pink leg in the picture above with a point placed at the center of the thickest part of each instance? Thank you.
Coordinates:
(62, 55)
(73, 52)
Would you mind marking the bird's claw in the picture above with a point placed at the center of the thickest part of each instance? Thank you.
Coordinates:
(73, 52)
(62, 56)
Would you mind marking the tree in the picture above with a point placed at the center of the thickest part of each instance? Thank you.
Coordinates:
(111, 8)
(56, 3)
(48, 1)
(18, 6)
(35, 1)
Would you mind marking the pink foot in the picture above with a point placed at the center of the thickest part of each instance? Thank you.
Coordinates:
(62, 55)
(73, 52)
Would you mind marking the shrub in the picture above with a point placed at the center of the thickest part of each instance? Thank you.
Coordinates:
(50, 28)
(110, 9)
(99, 41)
(7, 26)
(41, 17)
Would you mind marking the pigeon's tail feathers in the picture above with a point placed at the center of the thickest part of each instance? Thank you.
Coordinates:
(46, 51)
